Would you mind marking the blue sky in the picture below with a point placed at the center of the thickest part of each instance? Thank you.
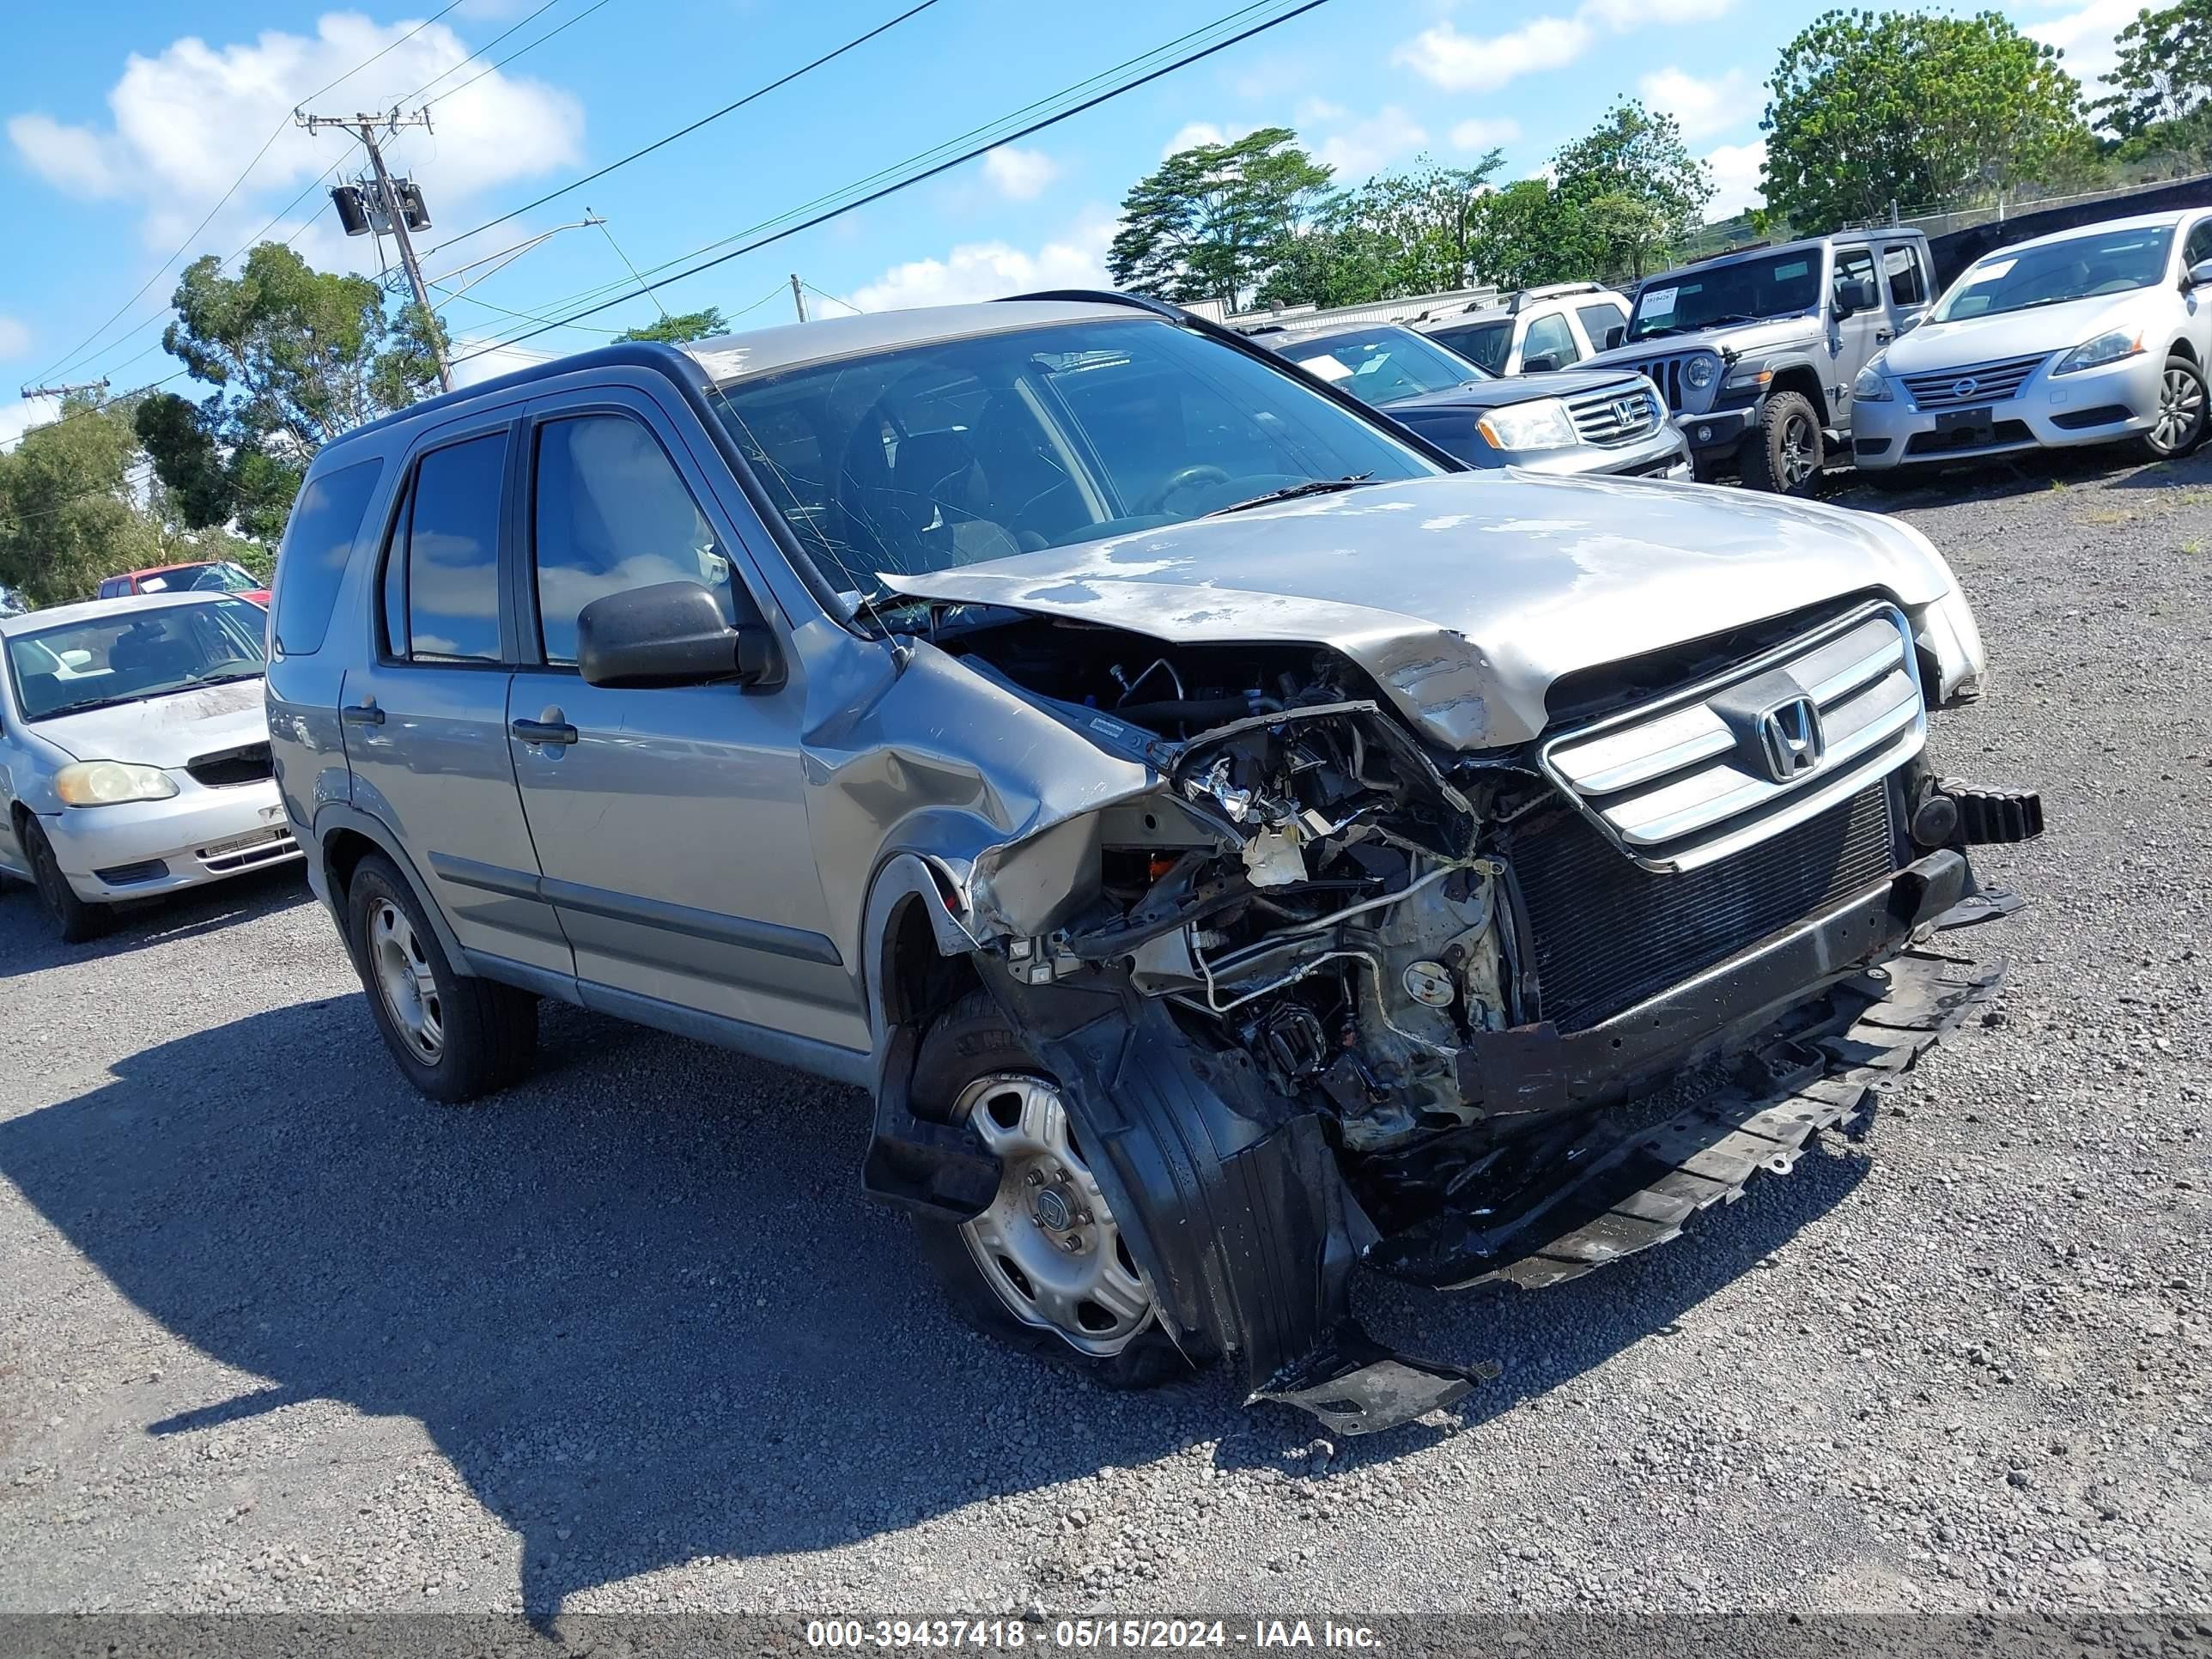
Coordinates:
(123, 124)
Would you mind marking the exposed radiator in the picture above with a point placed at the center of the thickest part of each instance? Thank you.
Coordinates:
(1607, 932)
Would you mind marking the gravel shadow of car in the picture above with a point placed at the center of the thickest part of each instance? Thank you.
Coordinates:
(154, 921)
(2028, 472)
(640, 1304)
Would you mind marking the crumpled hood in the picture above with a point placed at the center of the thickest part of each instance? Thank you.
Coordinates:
(1516, 389)
(2046, 329)
(165, 732)
(1742, 338)
(1468, 594)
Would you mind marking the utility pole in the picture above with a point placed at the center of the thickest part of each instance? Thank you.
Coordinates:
(388, 198)
(31, 391)
(798, 295)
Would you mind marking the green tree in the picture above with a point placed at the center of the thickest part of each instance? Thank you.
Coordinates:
(1524, 237)
(684, 325)
(1628, 189)
(68, 511)
(294, 356)
(1211, 222)
(1913, 108)
(2164, 73)
(1402, 232)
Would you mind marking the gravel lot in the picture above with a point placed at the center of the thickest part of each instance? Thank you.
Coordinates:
(276, 1334)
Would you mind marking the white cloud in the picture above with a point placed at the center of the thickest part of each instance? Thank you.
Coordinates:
(185, 122)
(2085, 36)
(1703, 107)
(1312, 111)
(1484, 132)
(14, 339)
(1360, 150)
(986, 271)
(1192, 134)
(1019, 174)
(1470, 62)
(1465, 63)
(1736, 187)
(19, 416)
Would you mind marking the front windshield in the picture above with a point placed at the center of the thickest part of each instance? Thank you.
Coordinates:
(224, 578)
(1743, 291)
(1383, 364)
(1488, 344)
(125, 656)
(928, 457)
(2079, 268)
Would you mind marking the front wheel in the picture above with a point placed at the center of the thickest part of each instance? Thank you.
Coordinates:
(1785, 452)
(2179, 426)
(455, 1035)
(71, 917)
(1044, 1268)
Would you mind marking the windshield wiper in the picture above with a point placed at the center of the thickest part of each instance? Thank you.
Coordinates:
(1291, 492)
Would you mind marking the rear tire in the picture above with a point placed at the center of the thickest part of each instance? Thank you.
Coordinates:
(455, 1037)
(999, 1270)
(1785, 452)
(2182, 411)
(72, 918)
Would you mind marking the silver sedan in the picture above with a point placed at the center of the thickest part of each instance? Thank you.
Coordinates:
(134, 751)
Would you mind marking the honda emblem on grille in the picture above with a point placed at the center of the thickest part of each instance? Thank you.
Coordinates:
(1629, 411)
(1965, 388)
(1790, 740)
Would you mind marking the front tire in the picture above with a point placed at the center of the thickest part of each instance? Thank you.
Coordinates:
(2182, 411)
(70, 917)
(1045, 1268)
(455, 1035)
(1785, 452)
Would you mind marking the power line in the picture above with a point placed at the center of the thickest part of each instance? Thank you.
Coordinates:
(490, 69)
(930, 172)
(993, 126)
(658, 143)
(409, 98)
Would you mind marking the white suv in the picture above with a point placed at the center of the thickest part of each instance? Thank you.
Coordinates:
(1538, 329)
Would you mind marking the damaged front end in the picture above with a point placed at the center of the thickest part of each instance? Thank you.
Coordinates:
(1324, 994)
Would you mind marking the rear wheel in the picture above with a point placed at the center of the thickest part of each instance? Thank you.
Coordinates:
(71, 917)
(455, 1035)
(1785, 453)
(2179, 427)
(1045, 1268)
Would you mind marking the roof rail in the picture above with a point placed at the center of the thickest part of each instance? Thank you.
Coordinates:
(1551, 291)
(1741, 247)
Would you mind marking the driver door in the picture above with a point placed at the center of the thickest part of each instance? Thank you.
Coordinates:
(1853, 340)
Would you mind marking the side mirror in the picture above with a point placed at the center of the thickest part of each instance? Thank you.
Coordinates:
(672, 633)
(1855, 295)
(2200, 275)
(1616, 335)
(1544, 362)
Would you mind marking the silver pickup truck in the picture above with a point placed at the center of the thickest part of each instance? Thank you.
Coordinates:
(1230, 840)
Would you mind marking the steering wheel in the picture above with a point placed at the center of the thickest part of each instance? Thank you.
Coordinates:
(1183, 477)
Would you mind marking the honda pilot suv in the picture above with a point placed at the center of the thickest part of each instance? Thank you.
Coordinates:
(1230, 841)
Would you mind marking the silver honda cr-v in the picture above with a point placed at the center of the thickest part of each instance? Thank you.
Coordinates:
(1230, 841)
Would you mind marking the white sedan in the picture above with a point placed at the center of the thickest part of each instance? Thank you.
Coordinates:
(134, 751)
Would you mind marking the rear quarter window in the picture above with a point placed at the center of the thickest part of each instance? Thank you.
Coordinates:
(317, 547)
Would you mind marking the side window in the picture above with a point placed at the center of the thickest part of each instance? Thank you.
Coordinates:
(2198, 247)
(611, 512)
(450, 538)
(317, 544)
(1900, 269)
(1854, 264)
(1598, 322)
(1551, 336)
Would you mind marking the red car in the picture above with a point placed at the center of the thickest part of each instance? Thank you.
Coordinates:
(201, 576)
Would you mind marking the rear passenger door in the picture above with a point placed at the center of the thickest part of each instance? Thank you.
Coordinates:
(425, 720)
(669, 822)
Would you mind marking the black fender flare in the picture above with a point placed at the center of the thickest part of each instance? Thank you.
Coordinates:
(1796, 365)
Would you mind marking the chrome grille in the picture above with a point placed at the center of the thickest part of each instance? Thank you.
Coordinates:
(1976, 383)
(1618, 414)
(1708, 772)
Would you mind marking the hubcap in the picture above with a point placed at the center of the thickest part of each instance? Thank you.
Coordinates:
(2180, 410)
(1047, 1244)
(404, 980)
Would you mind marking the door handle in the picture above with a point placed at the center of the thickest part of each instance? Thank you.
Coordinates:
(559, 732)
(362, 713)
(1881, 334)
